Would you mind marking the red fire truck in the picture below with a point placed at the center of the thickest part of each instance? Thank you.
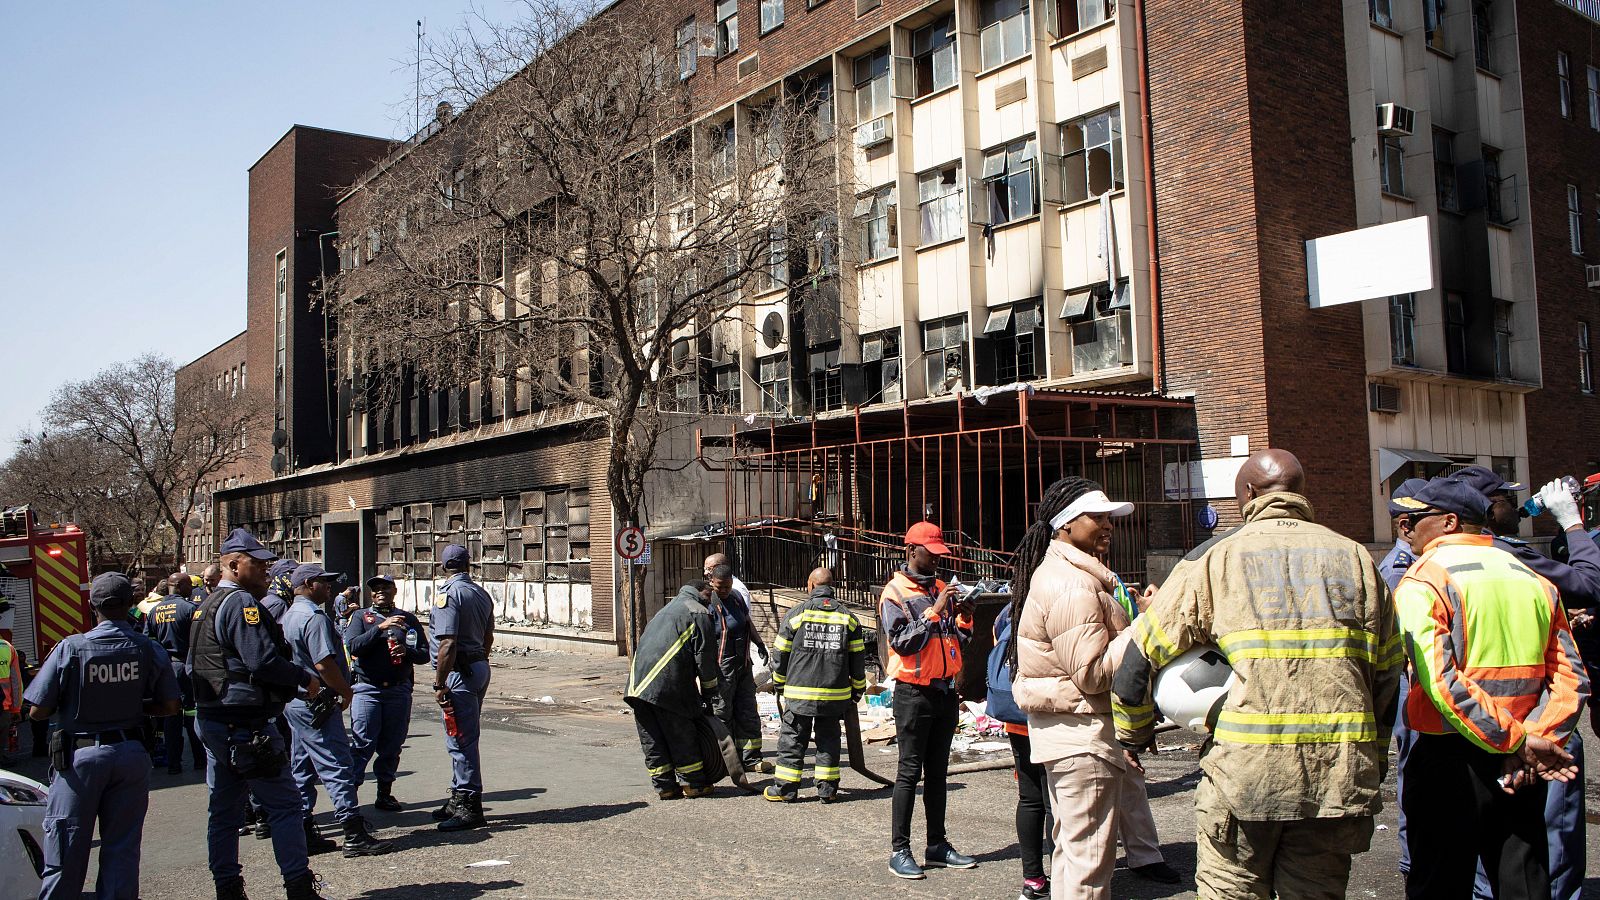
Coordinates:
(44, 576)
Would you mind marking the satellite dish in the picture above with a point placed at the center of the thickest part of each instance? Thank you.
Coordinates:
(279, 463)
(772, 330)
(279, 438)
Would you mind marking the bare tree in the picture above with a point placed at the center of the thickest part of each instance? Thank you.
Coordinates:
(575, 238)
(72, 477)
(171, 439)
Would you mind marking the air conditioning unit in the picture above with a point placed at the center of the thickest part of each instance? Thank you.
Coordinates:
(1396, 120)
(873, 133)
(1591, 275)
(1383, 398)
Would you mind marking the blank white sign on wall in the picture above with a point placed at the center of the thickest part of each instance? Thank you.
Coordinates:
(1379, 261)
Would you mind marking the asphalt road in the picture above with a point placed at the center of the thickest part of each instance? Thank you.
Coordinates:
(572, 814)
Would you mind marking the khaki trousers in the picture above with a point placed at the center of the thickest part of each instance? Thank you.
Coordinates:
(1092, 800)
(1297, 859)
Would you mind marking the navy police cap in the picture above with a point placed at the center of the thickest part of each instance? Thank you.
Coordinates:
(241, 541)
(1451, 496)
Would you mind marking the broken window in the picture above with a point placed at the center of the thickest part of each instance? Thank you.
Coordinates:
(1008, 172)
(1004, 31)
(1091, 156)
(939, 203)
(933, 47)
(772, 377)
(944, 355)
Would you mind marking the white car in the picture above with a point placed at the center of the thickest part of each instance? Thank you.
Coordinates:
(21, 834)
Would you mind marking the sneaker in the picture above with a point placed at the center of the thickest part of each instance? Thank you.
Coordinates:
(1157, 871)
(904, 865)
(946, 856)
(777, 794)
(697, 790)
(1035, 889)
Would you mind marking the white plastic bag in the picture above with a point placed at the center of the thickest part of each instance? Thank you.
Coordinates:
(759, 670)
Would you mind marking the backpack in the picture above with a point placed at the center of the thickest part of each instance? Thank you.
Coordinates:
(1001, 704)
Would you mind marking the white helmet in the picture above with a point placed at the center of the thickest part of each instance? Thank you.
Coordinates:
(1191, 689)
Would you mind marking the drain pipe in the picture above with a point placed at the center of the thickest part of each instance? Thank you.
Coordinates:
(1157, 363)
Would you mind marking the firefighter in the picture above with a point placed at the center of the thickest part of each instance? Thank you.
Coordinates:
(926, 623)
(168, 625)
(735, 635)
(674, 681)
(1290, 778)
(1497, 689)
(96, 684)
(820, 663)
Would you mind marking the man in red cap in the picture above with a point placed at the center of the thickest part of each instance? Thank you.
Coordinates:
(926, 623)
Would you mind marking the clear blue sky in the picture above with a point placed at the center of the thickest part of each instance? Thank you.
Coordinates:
(122, 166)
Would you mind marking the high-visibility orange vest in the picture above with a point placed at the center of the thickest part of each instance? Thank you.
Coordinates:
(940, 657)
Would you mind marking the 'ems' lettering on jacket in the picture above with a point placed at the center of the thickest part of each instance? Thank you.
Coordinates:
(675, 664)
(820, 658)
(926, 646)
(1494, 657)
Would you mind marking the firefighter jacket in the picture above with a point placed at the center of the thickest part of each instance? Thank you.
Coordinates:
(925, 647)
(820, 658)
(1308, 625)
(1494, 659)
(675, 664)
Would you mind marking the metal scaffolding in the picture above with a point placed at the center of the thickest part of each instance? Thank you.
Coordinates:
(837, 487)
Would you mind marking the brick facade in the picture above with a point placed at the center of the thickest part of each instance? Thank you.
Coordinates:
(1563, 419)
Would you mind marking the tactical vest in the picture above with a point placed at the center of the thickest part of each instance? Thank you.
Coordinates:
(108, 676)
(208, 663)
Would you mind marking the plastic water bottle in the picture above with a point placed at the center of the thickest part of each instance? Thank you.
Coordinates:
(1535, 506)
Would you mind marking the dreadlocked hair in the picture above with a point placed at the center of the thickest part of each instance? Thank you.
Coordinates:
(1035, 542)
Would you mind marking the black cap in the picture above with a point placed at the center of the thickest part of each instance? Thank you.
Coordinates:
(1484, 480)
(1449, 495)
(455, 557)
(283, 568)
(241, 541)
(111, 589)
(311, 572)
(1407, 488)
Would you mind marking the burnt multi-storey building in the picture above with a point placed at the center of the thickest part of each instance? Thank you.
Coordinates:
(1105, 202)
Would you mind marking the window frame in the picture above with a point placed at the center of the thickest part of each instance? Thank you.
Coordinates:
(996, 182)
(1392, 165)
(927, 60)
(1593, 74)
(1381, 13)
(1455, 332)
(828, 381)
(722, 159)
(1585, 360)
(1574, 219)
(767, 5)
(1433, 24)
(1444, 172)
(688, 38)
(1403, 329)
(1112, 145)
(888, 367)
(1564, 82)
(1008, 347)
(1008, 27)
(952, 334)
(1483, 35)
(875, 212)
(771, 389)
(727, 16)
(875, 87)
(1502, 338)
(941, 206)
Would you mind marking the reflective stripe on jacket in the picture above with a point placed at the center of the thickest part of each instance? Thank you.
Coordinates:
(924, 647)
(820, 658)
(1308, 625)
(675, 662)
(1493, 655)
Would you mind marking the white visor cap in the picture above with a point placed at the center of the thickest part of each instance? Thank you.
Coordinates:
(1092, 502)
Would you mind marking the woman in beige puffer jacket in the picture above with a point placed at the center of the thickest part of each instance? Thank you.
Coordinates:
(1067, 609)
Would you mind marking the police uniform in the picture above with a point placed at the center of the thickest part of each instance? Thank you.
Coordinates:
(464, 611)
(243, 674)
(322, 752)
(381, 662)
(98, 683)
(168, 625)
(1393, 567)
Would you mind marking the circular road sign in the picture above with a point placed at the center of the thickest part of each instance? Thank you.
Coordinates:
(630, 542)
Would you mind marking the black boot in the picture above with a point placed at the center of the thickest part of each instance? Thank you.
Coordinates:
(303, 888)
(315, 842)
(469, 814)
(358, 841)
(386, 800)
(449, 809)
(231, 889)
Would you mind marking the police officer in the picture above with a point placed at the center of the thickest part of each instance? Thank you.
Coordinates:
(280, 593)
(96, 684)
(384, 644)
(243, 674)
(462, 625)
(322, 751)
(1393, 568)
(168, 625)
